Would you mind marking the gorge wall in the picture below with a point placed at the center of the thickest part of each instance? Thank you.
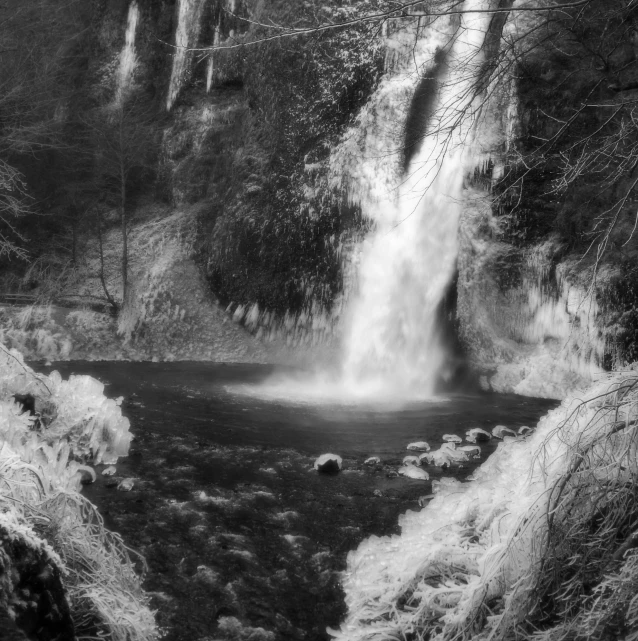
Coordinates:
(273, 144)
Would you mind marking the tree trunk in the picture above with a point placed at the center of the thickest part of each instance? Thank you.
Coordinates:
(123, 212)
(124, 245)
(102, 279)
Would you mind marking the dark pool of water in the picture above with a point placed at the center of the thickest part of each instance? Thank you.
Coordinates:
(227, 509)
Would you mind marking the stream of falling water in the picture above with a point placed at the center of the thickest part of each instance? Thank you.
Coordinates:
(392, 342)
(392, 348)
(189, 14)
(128, 58)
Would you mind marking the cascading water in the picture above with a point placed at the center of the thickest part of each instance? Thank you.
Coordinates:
(404, 164)
(189, 14)
(128, 57)
(391, 341)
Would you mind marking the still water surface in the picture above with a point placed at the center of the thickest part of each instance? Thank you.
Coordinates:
(234, 522)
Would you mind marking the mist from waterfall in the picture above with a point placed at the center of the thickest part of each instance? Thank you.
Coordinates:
(391, 339)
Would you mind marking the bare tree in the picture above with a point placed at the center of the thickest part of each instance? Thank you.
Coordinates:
(124, 147)
(35, 40)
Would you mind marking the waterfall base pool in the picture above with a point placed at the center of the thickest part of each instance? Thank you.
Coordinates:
(239, 531)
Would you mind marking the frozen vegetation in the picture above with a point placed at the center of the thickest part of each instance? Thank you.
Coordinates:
(43, 459)
(541, 543)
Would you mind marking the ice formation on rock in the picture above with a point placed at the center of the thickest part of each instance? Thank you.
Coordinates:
(419, 446)
(412, 472)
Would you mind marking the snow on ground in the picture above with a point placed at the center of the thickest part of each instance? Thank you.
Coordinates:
(170, 314)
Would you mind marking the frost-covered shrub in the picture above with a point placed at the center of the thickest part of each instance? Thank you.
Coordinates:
(88, 423)
(540, 544)
(34, 332)
(41, 503)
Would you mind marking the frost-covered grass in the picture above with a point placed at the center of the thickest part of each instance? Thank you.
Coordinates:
(40, 472)
(541, 544)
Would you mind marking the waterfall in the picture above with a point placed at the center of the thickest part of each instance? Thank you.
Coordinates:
(128, 58)
(210, 66)
(186, 35)
(391, 338)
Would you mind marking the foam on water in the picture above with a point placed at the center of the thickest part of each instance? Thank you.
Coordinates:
(323, 389)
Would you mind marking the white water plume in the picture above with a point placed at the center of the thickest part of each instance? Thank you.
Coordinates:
(128, 57)
(407, 264)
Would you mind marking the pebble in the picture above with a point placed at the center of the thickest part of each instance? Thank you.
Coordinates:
(126, 485)
(473, 451)
(413, 472)
(419, 446)
(477, 435)
(500, 431)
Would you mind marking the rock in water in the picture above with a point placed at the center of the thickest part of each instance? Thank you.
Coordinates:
(373, 460)
(472, 451)
(411, 460)
(446, 483)
(328, 463)
(500, 431)
(419, 446)
(87, 475)
(109, 471)
(477, 435)
(524, 430)
(445, 456)
(126, 485)
(452, 438)
(413, 472)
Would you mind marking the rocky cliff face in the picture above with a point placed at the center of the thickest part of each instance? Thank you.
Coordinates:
(268, 144)
(545, 301)
(33, 602)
